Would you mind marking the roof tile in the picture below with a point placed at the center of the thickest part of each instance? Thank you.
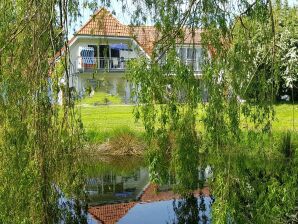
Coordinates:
(111, 213)
(103, 23)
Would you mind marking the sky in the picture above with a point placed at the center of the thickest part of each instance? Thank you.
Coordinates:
(124, 18)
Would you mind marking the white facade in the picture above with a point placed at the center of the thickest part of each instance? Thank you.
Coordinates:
(105, 70)
(96, 64)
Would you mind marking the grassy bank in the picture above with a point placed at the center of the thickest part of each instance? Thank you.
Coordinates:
(100, 121)
(107, 117)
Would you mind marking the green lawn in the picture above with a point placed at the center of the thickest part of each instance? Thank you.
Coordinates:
(105, 118)
(285, 113)
(100, 121)
(100, 98)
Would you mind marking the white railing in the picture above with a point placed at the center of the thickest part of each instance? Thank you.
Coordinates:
(114, 64)
(91, 64)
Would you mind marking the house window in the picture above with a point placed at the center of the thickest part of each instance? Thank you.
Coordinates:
(191, 56)
(191, 53)
(115, 53)
(104, 54)
(104, 51)
(199, 58)
(95, 50)
(182, 54)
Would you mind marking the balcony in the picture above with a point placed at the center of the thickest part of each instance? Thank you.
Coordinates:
(114, 64)
(94, 64)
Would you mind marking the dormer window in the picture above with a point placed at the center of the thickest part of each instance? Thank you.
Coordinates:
(191, 56)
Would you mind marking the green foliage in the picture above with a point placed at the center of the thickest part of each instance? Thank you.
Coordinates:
(222, 117)
(167, 102)
(288, 52)
(253, 190)
(39, 140)
(241, 71)
(241, 67)
(186, 156)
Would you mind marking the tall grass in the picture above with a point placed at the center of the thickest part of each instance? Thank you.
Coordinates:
(286, 145)
(97, 136)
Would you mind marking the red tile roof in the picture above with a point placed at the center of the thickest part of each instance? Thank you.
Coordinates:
(112, 213)
(145, 36)
(103, 23)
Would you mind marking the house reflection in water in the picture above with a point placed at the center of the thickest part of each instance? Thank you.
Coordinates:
(130, 199)
(111, 187)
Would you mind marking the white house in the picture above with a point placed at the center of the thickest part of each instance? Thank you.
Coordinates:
(99, 52)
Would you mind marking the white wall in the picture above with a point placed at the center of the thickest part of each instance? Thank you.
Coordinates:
(80, 80)
(84, 41)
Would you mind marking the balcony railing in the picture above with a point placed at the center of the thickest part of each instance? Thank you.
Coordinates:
(91, 64)
(114, 64)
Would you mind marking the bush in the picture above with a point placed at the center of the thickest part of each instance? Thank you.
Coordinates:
(124, 141)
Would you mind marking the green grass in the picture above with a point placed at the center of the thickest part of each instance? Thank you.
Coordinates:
(100, 98)
(284, 117)
(106, 118)
(100, 121)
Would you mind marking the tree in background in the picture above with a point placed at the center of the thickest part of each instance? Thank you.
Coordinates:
(288, 48)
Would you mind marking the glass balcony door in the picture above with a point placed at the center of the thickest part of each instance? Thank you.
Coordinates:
(115, 59)
(104, 55)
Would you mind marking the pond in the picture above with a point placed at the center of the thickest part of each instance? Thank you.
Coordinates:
(244, 190)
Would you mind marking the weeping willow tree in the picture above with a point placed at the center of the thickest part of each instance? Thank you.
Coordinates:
(39, 140)
(242, 63)
(168, 91)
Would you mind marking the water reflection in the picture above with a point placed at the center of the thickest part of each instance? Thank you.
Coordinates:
(111, 187)
(119, 192)
(248, 189)
(189, 210)
(193, 210)
(115, 179)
